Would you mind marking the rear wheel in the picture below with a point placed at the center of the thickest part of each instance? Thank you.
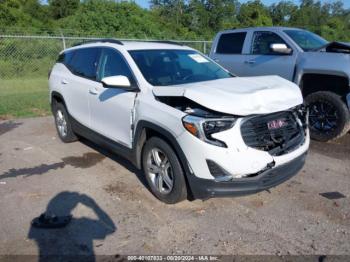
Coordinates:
(163, 171)
(63, 125)
(329, 117)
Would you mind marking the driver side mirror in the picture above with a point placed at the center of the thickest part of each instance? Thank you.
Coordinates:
(119, 81)
(281, 49)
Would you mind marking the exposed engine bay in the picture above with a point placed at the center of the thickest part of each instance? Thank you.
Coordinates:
(190, 107)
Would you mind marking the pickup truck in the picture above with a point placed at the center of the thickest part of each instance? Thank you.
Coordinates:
(320, 68)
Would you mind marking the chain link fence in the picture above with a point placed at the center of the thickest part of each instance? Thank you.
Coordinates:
(32, 56)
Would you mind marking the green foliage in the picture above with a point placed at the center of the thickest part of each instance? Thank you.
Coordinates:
(63, 8)
(171, 19)
(254, 13)
(24, 97)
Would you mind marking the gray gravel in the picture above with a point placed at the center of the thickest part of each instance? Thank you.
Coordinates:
(114, 213)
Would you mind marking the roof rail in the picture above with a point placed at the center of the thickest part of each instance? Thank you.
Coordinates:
(165, 42)
(102, 40)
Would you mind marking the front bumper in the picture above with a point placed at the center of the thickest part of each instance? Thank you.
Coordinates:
(208, 188)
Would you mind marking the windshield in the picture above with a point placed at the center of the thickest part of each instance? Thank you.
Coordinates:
(174, 67)
(306, 40)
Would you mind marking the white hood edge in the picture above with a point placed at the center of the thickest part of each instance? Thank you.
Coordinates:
(239, 95)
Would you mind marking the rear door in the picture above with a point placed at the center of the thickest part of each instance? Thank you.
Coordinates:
(111, 108)
(75, 85)
(228, 51)
(262, 61)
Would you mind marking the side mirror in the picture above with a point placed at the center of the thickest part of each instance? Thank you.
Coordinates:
(117, 82)
(280, 49)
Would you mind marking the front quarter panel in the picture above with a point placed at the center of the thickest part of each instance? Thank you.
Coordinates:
(322, 63)
(149, 109)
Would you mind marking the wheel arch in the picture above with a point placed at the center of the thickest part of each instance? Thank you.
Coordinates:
(314, 82)
(57, 98)
(144, 131)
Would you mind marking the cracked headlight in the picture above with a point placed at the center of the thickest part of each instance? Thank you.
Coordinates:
(204, 128)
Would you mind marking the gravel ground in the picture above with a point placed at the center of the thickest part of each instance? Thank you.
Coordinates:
(114, 213)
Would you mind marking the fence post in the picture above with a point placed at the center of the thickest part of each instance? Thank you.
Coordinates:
(63, 40)
(205, 47)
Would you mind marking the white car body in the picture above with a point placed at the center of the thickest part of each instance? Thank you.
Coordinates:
(116, 113)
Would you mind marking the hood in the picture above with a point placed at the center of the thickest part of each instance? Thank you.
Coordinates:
(239, 95)
(336, 47)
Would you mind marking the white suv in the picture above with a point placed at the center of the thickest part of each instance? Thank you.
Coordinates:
(196, 130)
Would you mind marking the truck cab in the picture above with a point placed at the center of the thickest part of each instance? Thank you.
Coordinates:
(320, 68)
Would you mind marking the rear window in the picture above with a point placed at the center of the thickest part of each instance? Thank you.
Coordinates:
(231, 43)
(82, 62)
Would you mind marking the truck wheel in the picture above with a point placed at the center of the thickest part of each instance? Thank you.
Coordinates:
(329, 116)
(63, 126)
(163, 171)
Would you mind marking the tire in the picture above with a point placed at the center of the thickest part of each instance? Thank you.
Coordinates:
(160, 163)
(329, 117)
(62, 123)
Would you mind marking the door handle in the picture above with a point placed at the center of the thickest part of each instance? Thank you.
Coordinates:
(217, 60)
(93, 91)
(250, 62)
(64, 82)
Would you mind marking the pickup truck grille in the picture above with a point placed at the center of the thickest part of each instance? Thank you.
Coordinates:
(277, 133)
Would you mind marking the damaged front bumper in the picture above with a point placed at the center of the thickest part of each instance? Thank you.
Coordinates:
(208, 188)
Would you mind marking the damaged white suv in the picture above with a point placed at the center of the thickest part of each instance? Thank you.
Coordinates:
(196, 130)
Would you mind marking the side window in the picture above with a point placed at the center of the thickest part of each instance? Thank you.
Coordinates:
(84, 62)
(112, 64)
(231, 43)
(65, 57)
(263, 40)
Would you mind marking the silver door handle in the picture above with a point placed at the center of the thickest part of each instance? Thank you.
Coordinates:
(250, 62)
(216, 60)
(64, 81)
(93, 91)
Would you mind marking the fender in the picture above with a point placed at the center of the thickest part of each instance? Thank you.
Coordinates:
(56, 94)
(140, 139)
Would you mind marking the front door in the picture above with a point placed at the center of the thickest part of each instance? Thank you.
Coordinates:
(111, 108)
(262, 61)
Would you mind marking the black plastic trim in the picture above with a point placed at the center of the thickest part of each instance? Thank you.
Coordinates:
(102, 141)
(102, 40)
(205, 188)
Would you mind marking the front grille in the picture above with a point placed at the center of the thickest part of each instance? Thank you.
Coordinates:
(259, 133)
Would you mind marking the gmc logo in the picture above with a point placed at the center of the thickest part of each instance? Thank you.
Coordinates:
(276, 124)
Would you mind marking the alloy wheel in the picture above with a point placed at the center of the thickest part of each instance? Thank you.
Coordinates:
(61, 123)
(160, 171)
(323, 116)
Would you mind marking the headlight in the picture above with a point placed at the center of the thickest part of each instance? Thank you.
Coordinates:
(204, 128)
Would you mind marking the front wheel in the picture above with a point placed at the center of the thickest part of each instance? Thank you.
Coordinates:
(163, 171)
(329, 117)
(63, 125)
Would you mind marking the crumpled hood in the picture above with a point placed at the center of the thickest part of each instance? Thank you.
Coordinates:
(239, 95)
(336, 47)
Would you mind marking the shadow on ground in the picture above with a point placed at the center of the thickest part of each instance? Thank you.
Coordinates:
(75, 241)
(339, 148)
(120, 160)
(85, 161)
(7, 126)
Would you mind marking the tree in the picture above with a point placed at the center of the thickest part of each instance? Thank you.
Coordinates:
(282, 12)
(63, 8)
(254, 13)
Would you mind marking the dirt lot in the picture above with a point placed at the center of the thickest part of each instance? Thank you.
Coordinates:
(114, 213)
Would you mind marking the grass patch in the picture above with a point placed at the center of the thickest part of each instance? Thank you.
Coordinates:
(25, 97)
